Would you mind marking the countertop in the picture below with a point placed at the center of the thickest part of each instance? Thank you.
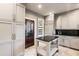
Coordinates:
(47, 38)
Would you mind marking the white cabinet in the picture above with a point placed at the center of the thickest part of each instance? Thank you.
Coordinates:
(62, 22)
(48, 29)
(20, 13)
(5, 32)
(60, 41)
(19, 47)
(12, 33)
(74, 19)
(5, 39)
(65, 21)
(6, 12)
(67, 41)
(72, 42)
(5, 48)
(19, 42)
(75, 42)
(49, 25)
(68, 20)
(63, 40)
(20, 31)
(59, 23)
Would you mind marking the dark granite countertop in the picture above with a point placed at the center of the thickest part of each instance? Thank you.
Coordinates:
(47, 38)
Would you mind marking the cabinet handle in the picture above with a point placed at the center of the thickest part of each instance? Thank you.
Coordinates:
(13, 36)
(63, 40)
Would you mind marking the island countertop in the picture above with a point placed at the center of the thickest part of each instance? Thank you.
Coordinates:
(47, 38)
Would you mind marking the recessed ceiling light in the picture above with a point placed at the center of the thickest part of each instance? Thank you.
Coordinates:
(50, 13)
(39, 6)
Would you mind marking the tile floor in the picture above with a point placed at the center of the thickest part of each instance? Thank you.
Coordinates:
(63, 52)
(31, 51)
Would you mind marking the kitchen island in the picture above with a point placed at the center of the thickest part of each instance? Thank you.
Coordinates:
(50, 48)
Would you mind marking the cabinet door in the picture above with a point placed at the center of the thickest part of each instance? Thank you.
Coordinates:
(61, 41)
(20, 13)
(49, 28)
(65, 21)
(19, 47)
(75, 43)
(73, 19)
(20, 31)
(5, 39)
(19, 42)
(58, 23)
(49, 25)
(67, 41)
(6, 12)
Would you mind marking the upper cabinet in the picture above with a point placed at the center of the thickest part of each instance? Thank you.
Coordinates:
(20, 13)
(58, 23)
(10, 12)
(49, 25)
(74, 19)
(68, 20)
(6, 12)
(65, 22)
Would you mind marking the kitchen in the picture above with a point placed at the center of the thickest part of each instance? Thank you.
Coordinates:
(39, 29)
(61, 22)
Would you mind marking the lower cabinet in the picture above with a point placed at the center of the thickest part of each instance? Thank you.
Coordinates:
(6, 49)
(75, 43)
(72, 42)
(71, 46)
(19, 47)
(67, 41)
(19, 42)
(60, 41)
(8, 45)
(5, 39)
(64, 41)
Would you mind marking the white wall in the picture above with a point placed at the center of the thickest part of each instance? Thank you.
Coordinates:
(33, 16)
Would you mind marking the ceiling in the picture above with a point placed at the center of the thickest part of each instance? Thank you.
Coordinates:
(51, 7)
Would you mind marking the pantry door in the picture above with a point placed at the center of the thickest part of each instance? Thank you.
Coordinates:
(6, 21)
(29, 33)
